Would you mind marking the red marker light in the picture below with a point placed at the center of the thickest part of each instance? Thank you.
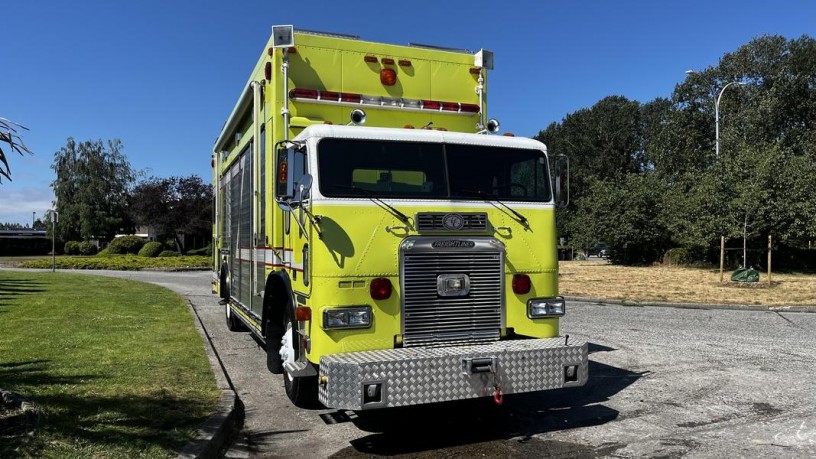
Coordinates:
(380, 288)
(521, 284)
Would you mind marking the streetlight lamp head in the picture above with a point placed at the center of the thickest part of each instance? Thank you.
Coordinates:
(691, 72)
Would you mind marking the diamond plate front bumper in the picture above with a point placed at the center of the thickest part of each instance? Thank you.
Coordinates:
(413, 376)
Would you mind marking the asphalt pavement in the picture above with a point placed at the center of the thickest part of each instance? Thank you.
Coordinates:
(664, 382)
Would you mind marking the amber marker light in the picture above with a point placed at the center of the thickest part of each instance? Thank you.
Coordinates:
(303, 313)
(388, 77)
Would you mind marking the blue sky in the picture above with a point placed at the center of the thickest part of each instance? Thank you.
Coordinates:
(163, 76)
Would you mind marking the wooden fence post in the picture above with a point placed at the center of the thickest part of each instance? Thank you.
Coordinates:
(770, 244)
(722, 257)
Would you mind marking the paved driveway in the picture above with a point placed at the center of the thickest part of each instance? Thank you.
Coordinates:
(663, 382)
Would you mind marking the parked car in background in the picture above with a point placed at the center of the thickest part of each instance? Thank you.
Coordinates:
(598, 250)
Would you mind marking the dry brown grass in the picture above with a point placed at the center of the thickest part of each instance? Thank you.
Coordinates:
(599, 279)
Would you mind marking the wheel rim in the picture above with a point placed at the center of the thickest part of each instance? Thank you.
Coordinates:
(287, 349)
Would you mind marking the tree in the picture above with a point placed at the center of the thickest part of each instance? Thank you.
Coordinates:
(10, 135)
(173, 205)
(91, 188)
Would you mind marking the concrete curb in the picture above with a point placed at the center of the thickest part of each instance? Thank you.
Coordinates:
(216, 434)
(733, 307)
(218, 431)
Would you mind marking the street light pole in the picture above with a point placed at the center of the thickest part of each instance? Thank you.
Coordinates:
(717, 111)
(54, 219)
(717, 115)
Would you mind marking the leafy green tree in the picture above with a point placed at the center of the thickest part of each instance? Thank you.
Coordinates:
(92, 185)
(173, 205)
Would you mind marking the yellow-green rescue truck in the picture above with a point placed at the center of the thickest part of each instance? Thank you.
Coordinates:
(410, 260)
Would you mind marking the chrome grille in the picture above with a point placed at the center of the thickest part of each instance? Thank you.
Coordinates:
(432, 221)
(431, 319)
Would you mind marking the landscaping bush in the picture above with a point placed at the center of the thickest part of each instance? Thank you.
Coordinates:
(678, 256)
(86, 248)
(169, 253)
(126, 244)
(71, 248)
(151, 249)
(205, 251)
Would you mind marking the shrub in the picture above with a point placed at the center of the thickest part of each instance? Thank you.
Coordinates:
(86, 248)
(126, 244)
(71, 248)
(204, 251)
(151, 249)
(169, 253)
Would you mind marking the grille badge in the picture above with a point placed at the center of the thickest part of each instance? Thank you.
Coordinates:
(453, 222)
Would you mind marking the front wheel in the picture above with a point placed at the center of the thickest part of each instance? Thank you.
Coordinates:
(233, 322)
(301, 390)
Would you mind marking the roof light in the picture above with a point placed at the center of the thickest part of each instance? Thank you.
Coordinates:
(391, 103)
(329, 95)
(303, 93)
(268, 71)
(431, 105)
(371, 59)
(475, 70)
(469, 108)
(388, 77)
(509, 134)
(387, 61)
(450, 106)
(408, 126)
(404, 63)
(349, 97)
(292, 50)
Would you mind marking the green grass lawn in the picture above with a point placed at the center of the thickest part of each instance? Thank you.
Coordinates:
(116, 367)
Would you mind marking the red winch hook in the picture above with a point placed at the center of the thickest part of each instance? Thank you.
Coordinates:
(498, 397)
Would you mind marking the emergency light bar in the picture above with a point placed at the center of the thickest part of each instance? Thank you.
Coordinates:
(392, 103)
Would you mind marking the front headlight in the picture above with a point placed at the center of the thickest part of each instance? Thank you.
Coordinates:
(545, 307)
(341, 318)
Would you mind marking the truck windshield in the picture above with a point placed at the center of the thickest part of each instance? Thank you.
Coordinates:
(390, 169)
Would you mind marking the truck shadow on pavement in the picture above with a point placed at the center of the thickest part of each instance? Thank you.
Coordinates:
(411, 430)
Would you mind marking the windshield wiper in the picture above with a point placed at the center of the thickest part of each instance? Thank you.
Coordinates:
(401, 216)
(492, 197)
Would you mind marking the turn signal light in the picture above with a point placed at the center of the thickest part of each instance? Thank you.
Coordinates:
(380, 288)
(521, 284)
(303, 313)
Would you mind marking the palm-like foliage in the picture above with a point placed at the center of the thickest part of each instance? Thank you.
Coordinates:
(11, 140)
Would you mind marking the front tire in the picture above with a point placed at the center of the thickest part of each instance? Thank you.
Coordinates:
(302, 391)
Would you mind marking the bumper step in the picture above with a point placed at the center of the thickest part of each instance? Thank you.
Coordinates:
(413, 376)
